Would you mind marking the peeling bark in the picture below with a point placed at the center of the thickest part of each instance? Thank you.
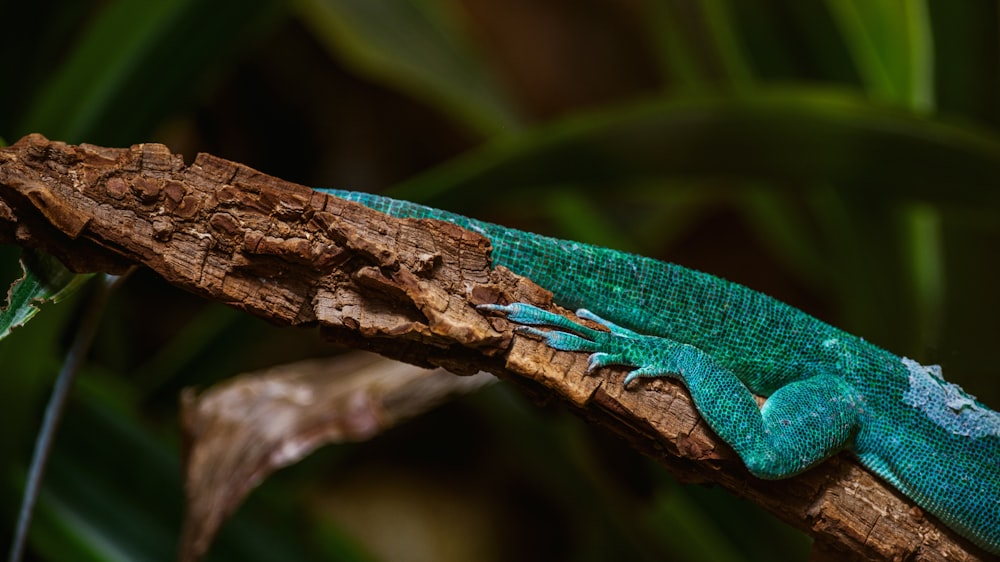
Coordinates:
(240, 431)
(406, 289)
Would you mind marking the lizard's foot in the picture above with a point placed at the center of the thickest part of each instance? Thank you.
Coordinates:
(803, 422)
(650, 355)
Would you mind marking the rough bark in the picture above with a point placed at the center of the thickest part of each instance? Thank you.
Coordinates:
(406, 289)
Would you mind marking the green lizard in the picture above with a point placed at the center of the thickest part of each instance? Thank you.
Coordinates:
(827, 390)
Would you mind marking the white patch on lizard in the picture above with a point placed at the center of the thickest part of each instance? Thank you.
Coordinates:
(946, 404)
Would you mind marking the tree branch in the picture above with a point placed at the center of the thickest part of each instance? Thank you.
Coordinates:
(406, 289)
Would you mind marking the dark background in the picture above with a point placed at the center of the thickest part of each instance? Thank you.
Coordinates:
(841, 156)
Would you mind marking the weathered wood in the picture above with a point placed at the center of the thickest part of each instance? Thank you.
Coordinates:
(406, 289)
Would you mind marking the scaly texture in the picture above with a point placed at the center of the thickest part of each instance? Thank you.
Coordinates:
(827, 390)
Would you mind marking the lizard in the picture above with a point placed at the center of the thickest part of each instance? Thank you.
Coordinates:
(826, 390)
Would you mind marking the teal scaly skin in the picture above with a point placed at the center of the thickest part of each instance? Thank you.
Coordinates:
(826, 390)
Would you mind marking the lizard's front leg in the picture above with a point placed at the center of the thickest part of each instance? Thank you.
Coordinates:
(801, 424)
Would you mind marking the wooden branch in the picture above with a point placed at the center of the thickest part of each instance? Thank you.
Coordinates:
(406, 289)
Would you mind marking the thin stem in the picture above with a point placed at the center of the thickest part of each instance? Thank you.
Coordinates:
(57, 401)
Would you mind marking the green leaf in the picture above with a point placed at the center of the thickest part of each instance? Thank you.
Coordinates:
(417, 47)
(892, 46)
(135, 62)
(45, 280)
(789, 138)
(698, 44)
(966, 35)
(725, 37)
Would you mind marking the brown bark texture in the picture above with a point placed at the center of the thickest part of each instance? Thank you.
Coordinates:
(406, 289)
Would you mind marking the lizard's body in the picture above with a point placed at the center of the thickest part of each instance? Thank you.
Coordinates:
(828, 390)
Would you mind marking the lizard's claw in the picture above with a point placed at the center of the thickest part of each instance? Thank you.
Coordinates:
(618, 346)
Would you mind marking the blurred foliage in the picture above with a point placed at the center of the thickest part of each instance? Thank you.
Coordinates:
(840, 155)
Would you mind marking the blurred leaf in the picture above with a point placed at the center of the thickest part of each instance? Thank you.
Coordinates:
(970, 331)
(892, 45)
(893, 48)
(923, 231)
(965, 44)
(698, 45)
(45, 280)
(790, 138)
(188, 347)
(677, 58)
(134, 63)
(782, 224)
(416, 47)
(725, 37)
(693, 536)
(341, 546)
(866, 252)
(581, 219)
